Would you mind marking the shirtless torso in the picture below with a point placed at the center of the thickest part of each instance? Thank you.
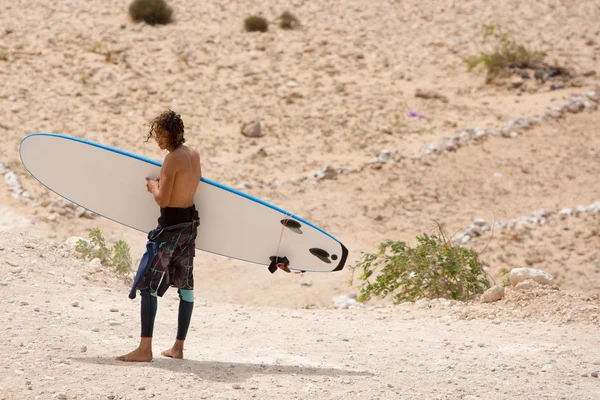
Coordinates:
(179, 178)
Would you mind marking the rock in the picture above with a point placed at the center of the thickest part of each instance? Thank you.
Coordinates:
(96, 262)
(595, 374)
(516, 82)
(4, 283)
(75, 304)
(557, 86)
(72, 241)
(527, 284)
(236, 386)
(518, 275)
(114, 309)
(479, 222)
(329, 172)
(252, 129)
(575, 107)
(430, 94)
(83, 349)
(494, 293)
(547, 368)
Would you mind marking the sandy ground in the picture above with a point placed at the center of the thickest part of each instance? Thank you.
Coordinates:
(337, 93)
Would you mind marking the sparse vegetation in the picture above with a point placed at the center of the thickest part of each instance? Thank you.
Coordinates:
(505, 54)
(504, 273)
(120, 259)
(256, 23)
(287, 20)
(151, 12)
(435, 268)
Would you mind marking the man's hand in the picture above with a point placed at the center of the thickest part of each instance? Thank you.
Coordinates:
(152, 185)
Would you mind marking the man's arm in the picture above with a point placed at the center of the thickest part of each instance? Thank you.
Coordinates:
(162, 188)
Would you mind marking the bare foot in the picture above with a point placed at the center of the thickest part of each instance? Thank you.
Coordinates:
(136, 356)
(173, 353)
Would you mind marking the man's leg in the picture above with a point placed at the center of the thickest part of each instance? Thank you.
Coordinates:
(186, 307)
(148, 314)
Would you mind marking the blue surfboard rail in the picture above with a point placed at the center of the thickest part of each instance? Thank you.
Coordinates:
(202, 179)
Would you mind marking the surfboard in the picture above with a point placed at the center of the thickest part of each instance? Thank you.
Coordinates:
(112, 183)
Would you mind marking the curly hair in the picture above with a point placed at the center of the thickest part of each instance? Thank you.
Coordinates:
(171, 123)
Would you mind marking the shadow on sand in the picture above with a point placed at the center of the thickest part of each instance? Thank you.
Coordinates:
(224, 371)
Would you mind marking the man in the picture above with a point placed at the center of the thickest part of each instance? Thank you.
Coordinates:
(170, 249)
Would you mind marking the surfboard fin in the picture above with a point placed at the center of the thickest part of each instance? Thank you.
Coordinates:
(279, 263)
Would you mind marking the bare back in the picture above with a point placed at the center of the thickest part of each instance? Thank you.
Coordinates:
(182, 170)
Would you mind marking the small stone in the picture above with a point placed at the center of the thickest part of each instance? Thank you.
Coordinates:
(19, 372)
(596, 362)
(69, 282)
(252, 129)
(95, 329)
(83, 349)
(75, 304)
(96, 263)
(142, 388)
(61, 396)
(494, 293)
(4, 283)
(236, 386)
(114, 323)
(527, 284)
(547, 368)
(479, 222)
(575, 107)
(114, 309)
(557, 86)
(516, 82)
(595, 374)
(430, 94)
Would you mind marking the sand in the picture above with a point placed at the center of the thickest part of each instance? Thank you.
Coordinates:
(334, 95)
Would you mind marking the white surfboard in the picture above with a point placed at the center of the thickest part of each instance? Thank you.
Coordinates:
(111, 183)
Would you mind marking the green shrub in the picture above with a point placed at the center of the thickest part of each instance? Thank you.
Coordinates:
(434, 269)
(96, 248)
(151, 11)
(504, 54)
(121, 257)
(256, 23)
(288, 21)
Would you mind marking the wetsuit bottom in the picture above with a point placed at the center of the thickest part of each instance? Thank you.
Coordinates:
(148, 312)
(186, 307)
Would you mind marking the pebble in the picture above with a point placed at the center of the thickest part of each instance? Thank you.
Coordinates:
(236, 386)
(114, 309)
(83, 349)
(75, 304)
(4, 283)
(595, 374)
(114, 323)
(95, 329)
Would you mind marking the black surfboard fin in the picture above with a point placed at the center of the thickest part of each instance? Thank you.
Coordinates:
(279, 263)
